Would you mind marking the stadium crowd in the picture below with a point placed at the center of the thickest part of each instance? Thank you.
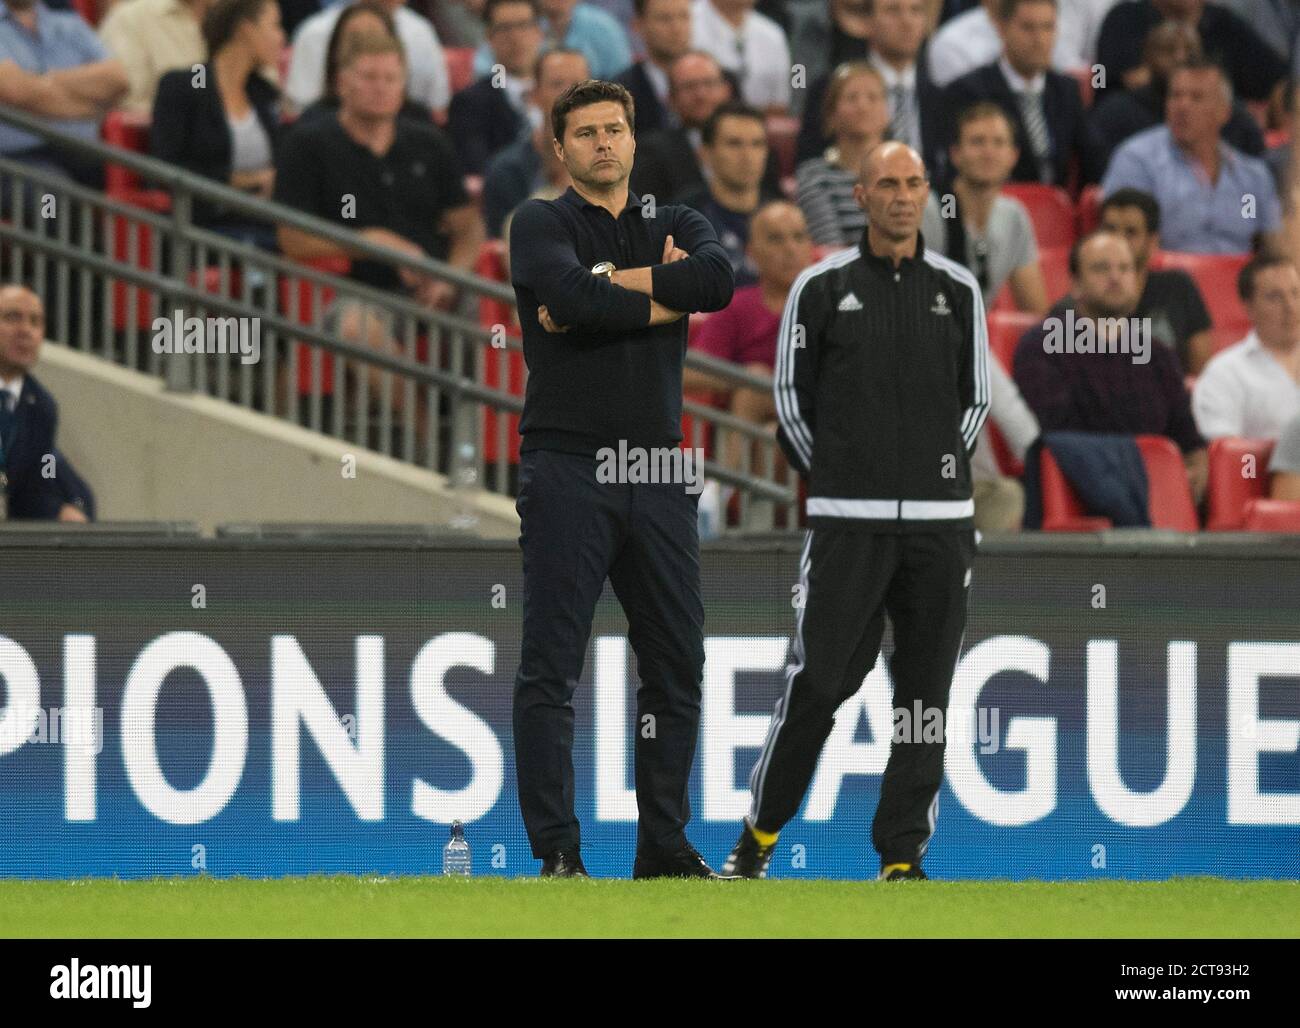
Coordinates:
(1091, 162)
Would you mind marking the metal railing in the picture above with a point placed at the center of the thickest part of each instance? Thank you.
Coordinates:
(438, 389)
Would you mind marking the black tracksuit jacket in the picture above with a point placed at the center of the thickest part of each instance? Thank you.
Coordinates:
(881, 388)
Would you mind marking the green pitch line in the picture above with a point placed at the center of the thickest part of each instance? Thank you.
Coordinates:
(343, 906)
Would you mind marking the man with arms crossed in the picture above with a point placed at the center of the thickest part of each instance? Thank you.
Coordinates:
(602, 284)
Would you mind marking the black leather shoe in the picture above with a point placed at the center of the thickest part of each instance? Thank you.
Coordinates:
(563, 864)
(684, 863)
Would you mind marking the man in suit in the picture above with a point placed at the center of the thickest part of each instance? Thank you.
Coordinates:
(668, 163)
(1044, 105)
(492, 113)
(916, 105)
(665, 25)
(37, 485)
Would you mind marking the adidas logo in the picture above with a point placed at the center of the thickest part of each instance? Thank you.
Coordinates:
(850, 303)
(940, 305)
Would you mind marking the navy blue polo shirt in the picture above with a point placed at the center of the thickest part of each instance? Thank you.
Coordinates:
(610, 377)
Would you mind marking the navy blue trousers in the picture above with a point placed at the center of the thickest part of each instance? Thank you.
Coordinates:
(575, 532)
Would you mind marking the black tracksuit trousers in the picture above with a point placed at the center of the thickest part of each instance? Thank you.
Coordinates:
(575, 532)
(851, 579)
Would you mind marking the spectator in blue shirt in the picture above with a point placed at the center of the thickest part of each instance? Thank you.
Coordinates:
(1213, 198)
(41, 41)
(575, 26)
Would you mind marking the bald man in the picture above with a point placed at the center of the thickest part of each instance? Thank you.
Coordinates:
(881, 387)
(35, 481)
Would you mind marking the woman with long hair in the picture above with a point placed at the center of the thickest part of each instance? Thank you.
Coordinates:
(855, 113)
(221, 119)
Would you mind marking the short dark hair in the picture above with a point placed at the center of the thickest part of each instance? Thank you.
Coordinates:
(979, 111)
(730, 109)
(1143, 201)
(492, 5)
(1007, 8)
(586, 93)
(1083, 241)
(224, 18)
(1259, 262)
(546, 52)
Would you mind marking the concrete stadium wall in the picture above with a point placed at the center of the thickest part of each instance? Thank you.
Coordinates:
(151, 454)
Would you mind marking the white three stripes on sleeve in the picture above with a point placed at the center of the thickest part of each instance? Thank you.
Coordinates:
(973, 417)
(796, 428)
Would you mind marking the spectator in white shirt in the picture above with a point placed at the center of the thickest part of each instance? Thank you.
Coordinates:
(749, 45)
(427, 81)
(1252, 389)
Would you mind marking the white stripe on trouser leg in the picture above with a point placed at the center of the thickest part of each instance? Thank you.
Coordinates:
(933, 818)
(758, 776)
(934, 805)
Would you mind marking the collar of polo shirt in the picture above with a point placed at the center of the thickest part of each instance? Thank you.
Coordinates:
(887, 263)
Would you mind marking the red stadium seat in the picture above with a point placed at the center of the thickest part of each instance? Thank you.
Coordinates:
(1055, 262)
(1216, 277)
(783, 137)
(1062, 508)
(1056, 271)
(1005, 331)
(130, 132)
(492, 260)
(298, 300)
(1008, 462)
(511, 378)
(1169, 495)
(1050, 209)
(1238, 476)
(1273, 516)
(1089, 209)
(1227, 336)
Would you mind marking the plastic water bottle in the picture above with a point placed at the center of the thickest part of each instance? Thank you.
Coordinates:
(455, 855)
(710, 512)
(463, 479)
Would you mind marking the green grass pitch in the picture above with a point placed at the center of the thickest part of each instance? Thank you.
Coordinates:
(368, 906)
